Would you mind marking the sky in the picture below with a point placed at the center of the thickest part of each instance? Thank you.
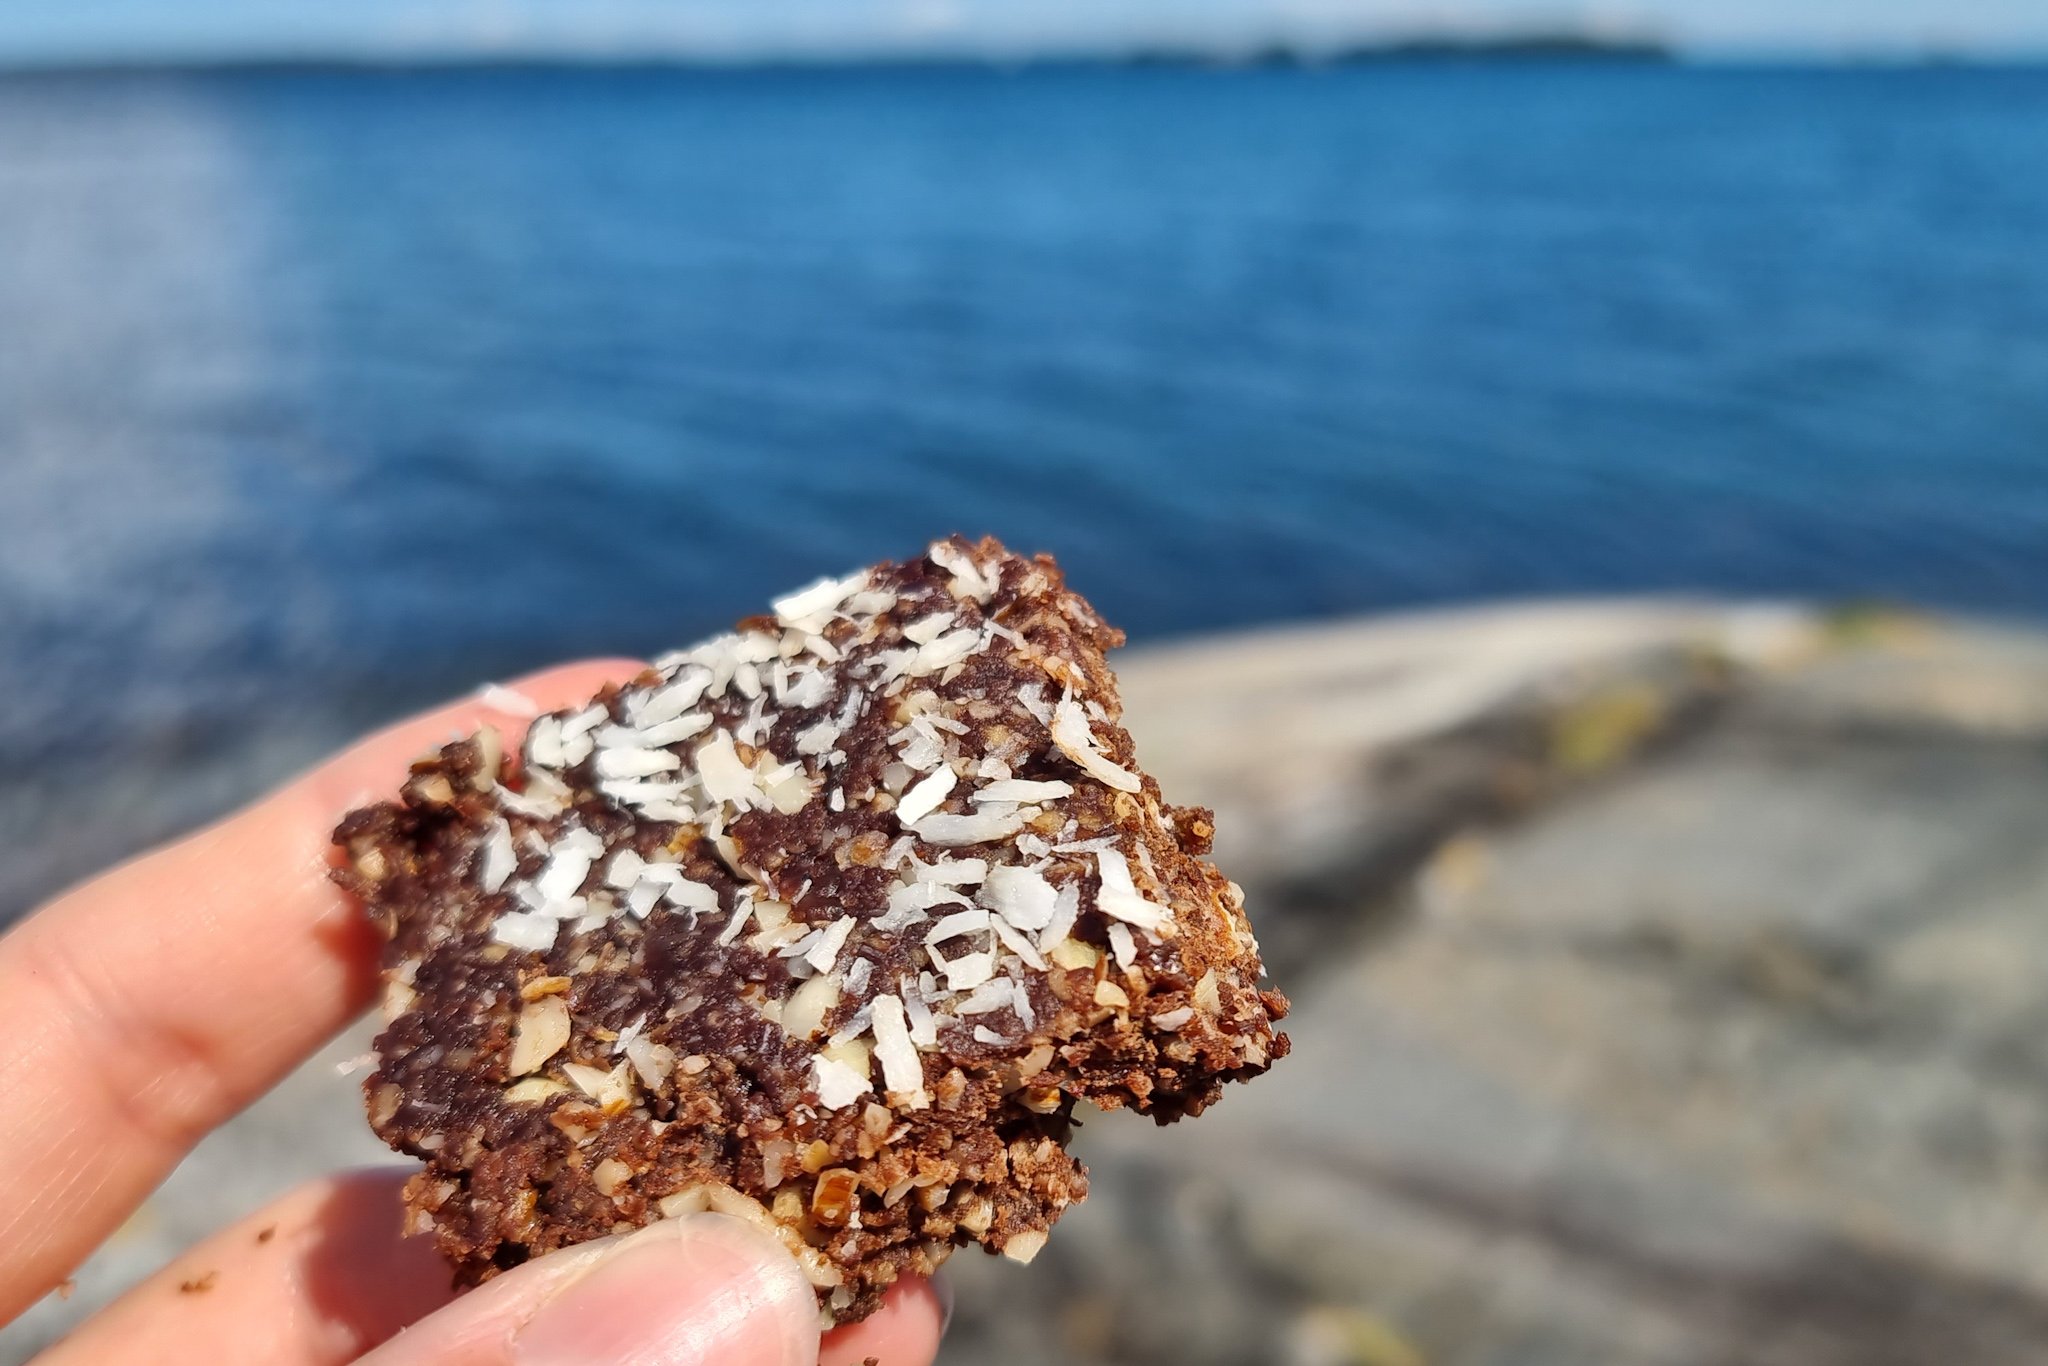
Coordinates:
(65, 30)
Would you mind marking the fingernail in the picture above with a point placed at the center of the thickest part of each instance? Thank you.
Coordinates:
(686, 1292)
(943, 1290)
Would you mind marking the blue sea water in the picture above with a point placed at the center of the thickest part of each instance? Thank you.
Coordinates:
(320, 393)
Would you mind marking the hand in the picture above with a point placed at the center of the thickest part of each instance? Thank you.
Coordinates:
(147, 1007)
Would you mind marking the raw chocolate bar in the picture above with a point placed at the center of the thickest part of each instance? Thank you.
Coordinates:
(827, 923)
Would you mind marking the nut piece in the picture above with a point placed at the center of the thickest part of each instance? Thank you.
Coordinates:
(833, 1200)
(613, 1090)
(542, 1032)
(1022, 1247)
(543, 986)
(609, 1175)
(534, 1090)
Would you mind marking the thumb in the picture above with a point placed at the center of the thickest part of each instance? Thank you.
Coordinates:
(703, 1290)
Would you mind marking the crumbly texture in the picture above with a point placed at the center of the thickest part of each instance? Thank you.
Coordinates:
(827, 923)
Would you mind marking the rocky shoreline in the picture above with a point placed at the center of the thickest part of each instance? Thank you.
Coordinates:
(1668, 991)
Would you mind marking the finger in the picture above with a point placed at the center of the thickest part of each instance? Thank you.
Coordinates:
(148, 1006)
(905, 1331)
(317, 1278)
(702, 1290)
(322, 1275)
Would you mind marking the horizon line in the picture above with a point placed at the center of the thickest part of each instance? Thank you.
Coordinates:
(1535, 48)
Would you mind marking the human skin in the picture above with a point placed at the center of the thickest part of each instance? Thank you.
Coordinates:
(150, 1005)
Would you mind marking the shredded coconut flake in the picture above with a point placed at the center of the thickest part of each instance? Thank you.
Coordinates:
(1071, 734)
(924, 1026)
(990, 995)
(1016, 943)
(992, 823)
(909, 900)
(1118, 896)
(817, 739)
(969, 579)
(837, 1084)
(641, 901)
(497, 860)
(802, 944)
(963, 872)
(925, 630)
(740, 913)
(566, 868)
(1066, 909)
(957, 924)
(970, 970)
(902, 1073)
(635, 763)
(920, 746)
(809, 608)
(510, 701)
(1032, 698)
(856, 1025)
(1022, 790)
(524, 930)
(809, 687)
(946, 651)
(1122, 944)
(692, 896)
(624, 869)
(675, 732)
(831, 940)
(536, 802)
(669, 702)
(544, 742)
(725, 778)
(1021, 896)
(928, 796)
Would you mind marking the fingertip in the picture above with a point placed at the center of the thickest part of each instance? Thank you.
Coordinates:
(905, 1331)
(703, 1287)
(317, 1277)
(565, 685)
(358, 1268)
(690, 1291)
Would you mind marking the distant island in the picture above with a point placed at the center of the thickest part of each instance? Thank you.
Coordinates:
(1518, 46)
(1514, 46)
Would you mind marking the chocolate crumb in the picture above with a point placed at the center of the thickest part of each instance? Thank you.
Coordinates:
(198, 1285)
(267, 1234)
